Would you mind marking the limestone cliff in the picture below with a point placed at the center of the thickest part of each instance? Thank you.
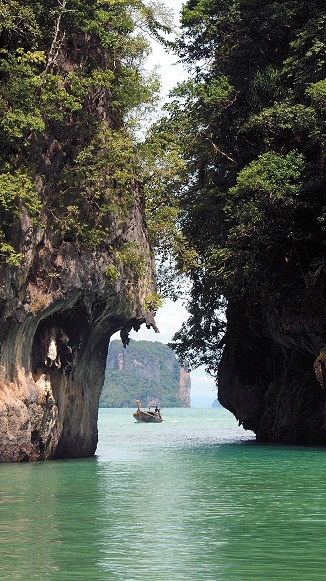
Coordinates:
(54, 337)
(58, 311)
(147, 371)
(87, 267)
(184, 390)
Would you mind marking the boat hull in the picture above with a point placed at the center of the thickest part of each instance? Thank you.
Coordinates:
(142, 416)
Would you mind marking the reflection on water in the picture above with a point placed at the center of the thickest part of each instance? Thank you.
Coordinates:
(191, 499)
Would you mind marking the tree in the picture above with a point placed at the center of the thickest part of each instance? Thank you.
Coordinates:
(249, 126)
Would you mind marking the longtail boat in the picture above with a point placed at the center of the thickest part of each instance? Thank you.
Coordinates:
(150, 415)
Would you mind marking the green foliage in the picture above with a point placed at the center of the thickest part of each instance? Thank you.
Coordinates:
(162, 174)
(260, 213)
(306, 60)
(8, 253)
(17, 190)
(82, 95)
(284, 120)
(128, 258)
(249, 129)
(145, 370)
(20, 20)
(317, 92)
(273, 176)
(112, 273)
(153, 302)
(98, 187)
(131, 258)
(20, 115)
(173, 149)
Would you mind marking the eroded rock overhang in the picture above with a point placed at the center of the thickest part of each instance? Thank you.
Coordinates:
(58, 312)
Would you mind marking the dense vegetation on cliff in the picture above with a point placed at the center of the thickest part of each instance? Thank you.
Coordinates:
(146, 371)
(75, 260)
(72, 77)
(249, 127)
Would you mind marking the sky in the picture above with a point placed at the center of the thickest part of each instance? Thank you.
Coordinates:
(171, 72)
(171, 316)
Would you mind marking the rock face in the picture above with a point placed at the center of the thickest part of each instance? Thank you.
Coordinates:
(58, 312)
(184, 390)
(59, 308)
(272, 372)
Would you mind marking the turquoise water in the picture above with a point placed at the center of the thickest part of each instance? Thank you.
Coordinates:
(191, 499)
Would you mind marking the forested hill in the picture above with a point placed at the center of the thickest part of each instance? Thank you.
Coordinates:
(146, 371)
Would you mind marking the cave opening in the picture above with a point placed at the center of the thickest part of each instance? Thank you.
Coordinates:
(57, 340)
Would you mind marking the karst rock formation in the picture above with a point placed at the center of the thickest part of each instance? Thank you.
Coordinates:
(272, 372)
(55, 332)
(61, 304)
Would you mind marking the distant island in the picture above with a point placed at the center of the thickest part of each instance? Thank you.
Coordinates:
(147, 371)
(216, 404)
